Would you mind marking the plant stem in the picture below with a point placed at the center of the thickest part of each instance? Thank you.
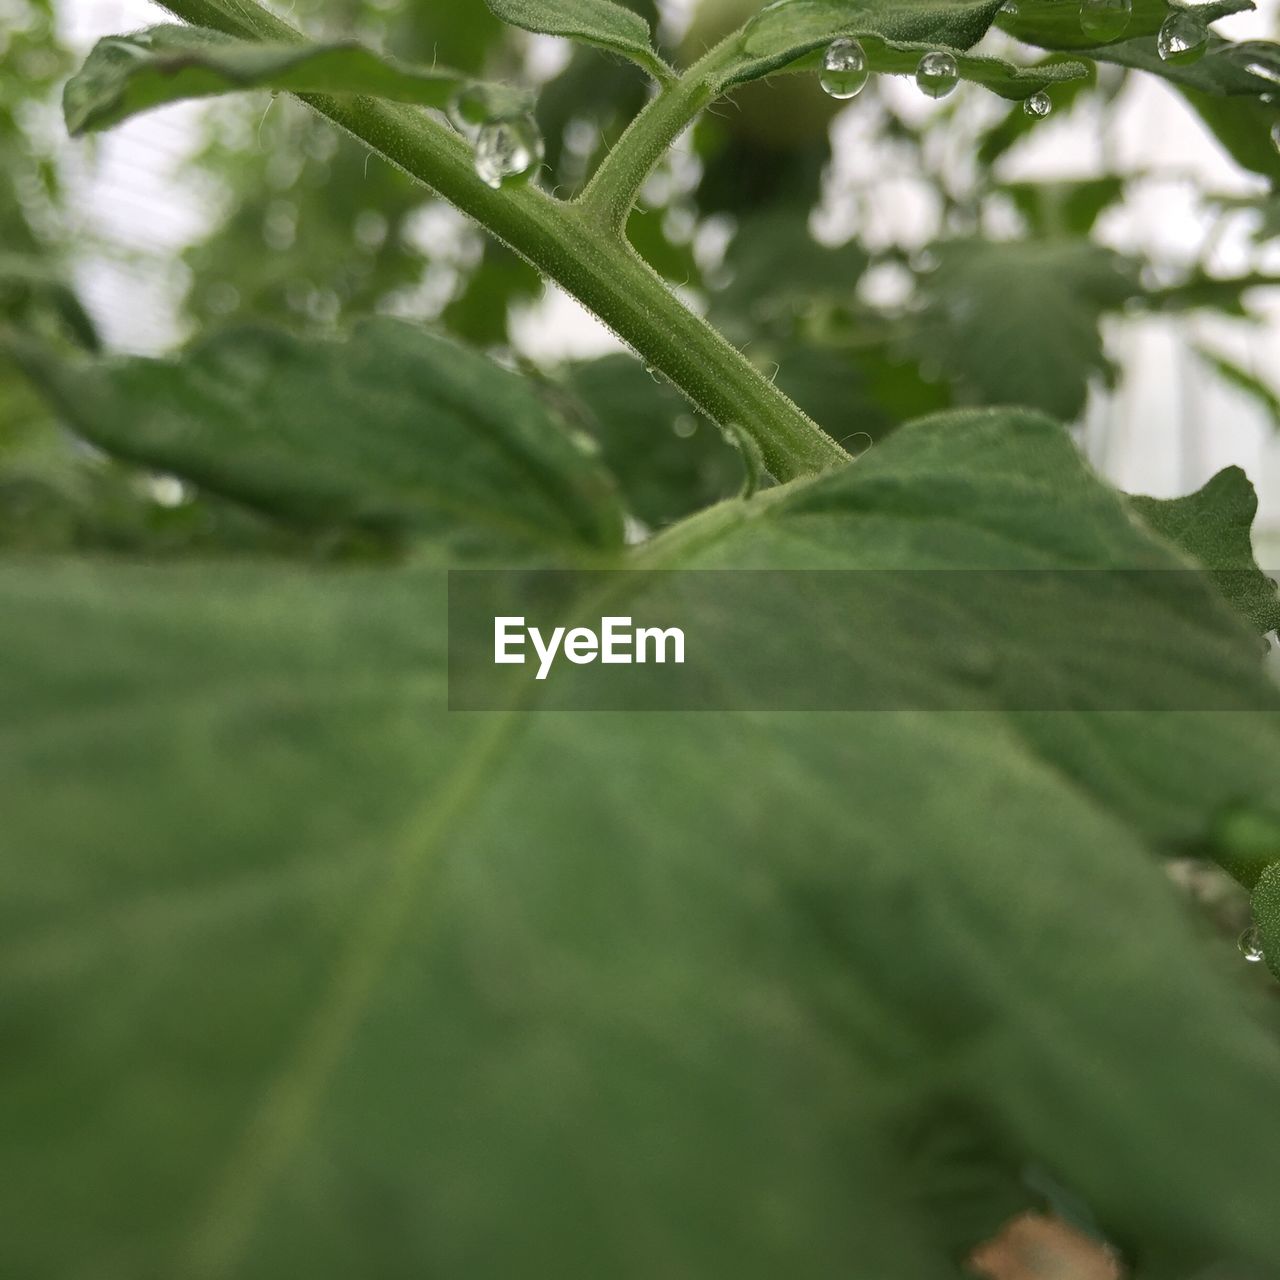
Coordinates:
(566, 244)
(612, 191)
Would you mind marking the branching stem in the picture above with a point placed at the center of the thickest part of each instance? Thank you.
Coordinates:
(569, 244)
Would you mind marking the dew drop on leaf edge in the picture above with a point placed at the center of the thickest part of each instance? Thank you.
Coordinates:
(844, 69)
(1009, 8)
(936, 74)
(1105, 20)
(1038, 105)
(507, 149)
(1182, 38)
(1250, 944)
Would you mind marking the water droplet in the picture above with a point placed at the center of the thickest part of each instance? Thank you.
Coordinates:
(936, 74)
(844, 69)
(1182, 38)
(1009, 8)
(1038, 105)
(1105, 20)
(168, 491)
(1250, 944)
(507, 149)
(685, 426)
(1264, 68)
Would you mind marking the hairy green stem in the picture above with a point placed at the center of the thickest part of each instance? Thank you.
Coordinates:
(568, 245)
(612, 191)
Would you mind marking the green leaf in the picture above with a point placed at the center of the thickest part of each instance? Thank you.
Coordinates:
(1201, 290)
(1260, 392)
(669, 461)
(306, 975)
(1053, 25)
(1266, 910)
(599, 22)
(37, 297)
(1219, 85)
(995, 74)
(900, 57)
(788, 30)
(778, 270)
(392, 429)
(1224, 70)
(1212, 527)
(1064, 208)
(124, 75)
(1243, 126)
(1017, 322)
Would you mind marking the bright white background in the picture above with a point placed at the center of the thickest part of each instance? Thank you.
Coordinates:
(1166, 428)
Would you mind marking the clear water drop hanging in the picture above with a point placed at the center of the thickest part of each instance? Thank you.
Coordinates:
(1250, 944)
(1009, 8)
(1182, 38)
(844, 69)
(936, 74)
(1105, 20)
(1038, 105)
(507, 149)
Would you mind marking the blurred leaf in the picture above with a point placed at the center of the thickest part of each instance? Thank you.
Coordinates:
(599, 22)
(1265, 396)
(1241, 123)
(316, 230)
(1266, 911)
(1054, 25)
(89, 504)
(124, 75)
(673, 261)
(1243, 126)
(1017, 322)
(577, 102)
(1064, 208)
(1222, 70)
(392, 430)
(1212, 526)
(1203, 291)
(779, 270)
(865, 390)
(480, 314)
(307, 975)
(36, 297)
(669, 461)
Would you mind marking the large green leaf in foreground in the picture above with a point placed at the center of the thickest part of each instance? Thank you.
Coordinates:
(303, 975)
